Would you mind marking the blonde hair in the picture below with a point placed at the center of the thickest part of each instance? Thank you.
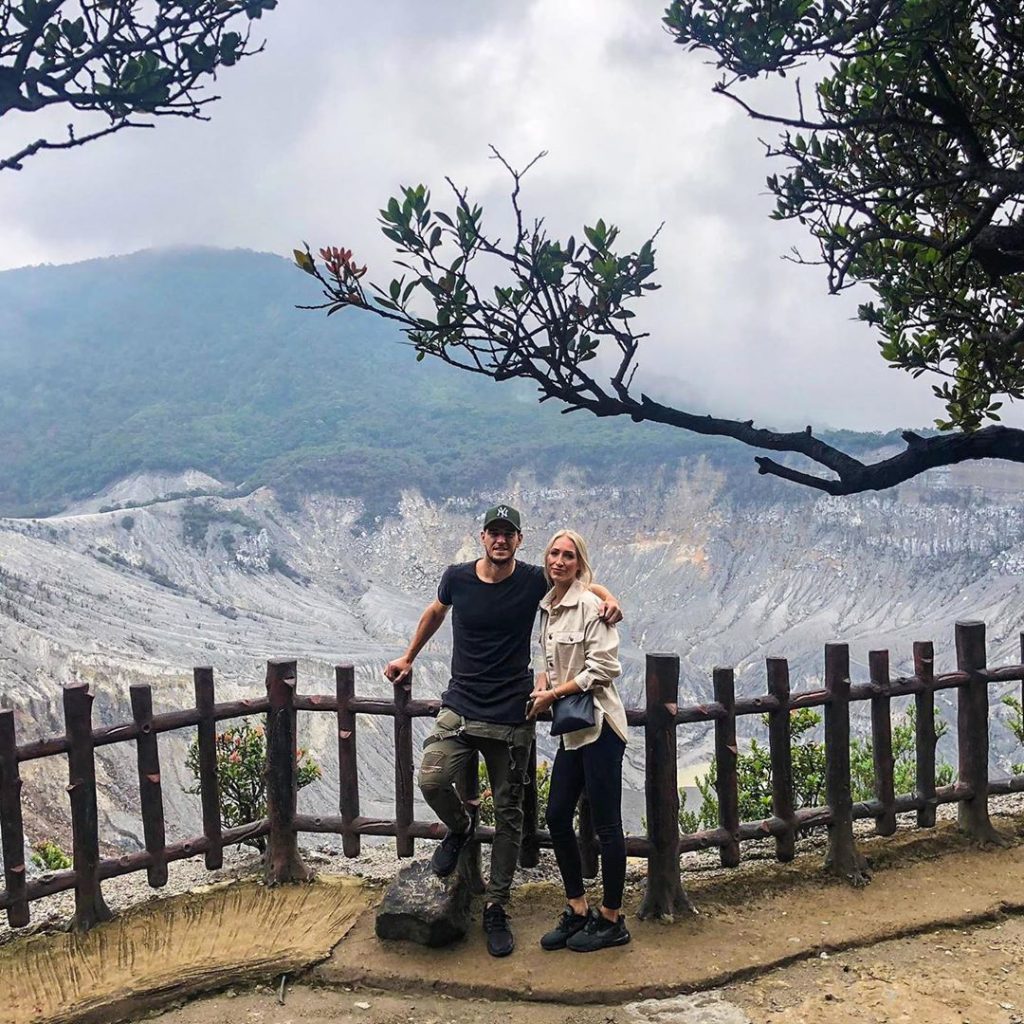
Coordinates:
(584, 572)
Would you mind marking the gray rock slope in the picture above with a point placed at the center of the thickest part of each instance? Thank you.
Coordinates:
(143, 594)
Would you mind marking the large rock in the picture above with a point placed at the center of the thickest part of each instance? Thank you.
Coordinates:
(420, 907)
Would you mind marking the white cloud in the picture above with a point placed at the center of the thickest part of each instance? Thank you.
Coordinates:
(349, 101)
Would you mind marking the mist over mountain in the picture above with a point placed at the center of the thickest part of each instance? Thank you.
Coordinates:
(197, 359)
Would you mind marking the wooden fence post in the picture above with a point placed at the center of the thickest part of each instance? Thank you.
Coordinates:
(470, 862)
(843, 858)
(404, 843)
(12, 828)
(529, 849)
(283, 863)
(90, 907)
(726, 756)
(150, 794)
(881, 743)
(664, 897)
(779, 745)
(209, 785)
(972, 733)
(348, 764)
(925, 737)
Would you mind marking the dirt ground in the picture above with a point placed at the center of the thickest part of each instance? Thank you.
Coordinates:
(937, 937)
(963, 976)
(954, 976)
(803, 953)
(752, 919)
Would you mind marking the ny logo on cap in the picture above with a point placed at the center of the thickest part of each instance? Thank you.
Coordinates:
(502, 511)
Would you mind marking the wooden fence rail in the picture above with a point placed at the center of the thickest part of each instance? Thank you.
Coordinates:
(660, 719)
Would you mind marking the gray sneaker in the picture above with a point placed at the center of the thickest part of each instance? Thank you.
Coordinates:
(568, 925)
(599, 933)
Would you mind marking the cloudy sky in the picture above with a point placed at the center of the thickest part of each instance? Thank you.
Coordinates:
(351, 100)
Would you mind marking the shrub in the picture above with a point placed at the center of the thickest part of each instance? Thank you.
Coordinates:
(1016, 725)
(241, 765)
(49, 856)
(754, 771)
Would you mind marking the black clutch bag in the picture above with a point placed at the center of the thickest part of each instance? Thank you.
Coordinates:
(573, 712)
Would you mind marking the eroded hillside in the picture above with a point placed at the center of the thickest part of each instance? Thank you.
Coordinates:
(145, 592)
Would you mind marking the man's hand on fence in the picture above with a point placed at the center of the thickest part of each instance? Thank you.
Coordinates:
(397, 671)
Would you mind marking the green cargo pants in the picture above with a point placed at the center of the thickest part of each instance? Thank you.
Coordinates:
(506, 752)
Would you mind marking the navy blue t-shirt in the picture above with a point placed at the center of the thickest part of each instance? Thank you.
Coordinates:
(491, 630)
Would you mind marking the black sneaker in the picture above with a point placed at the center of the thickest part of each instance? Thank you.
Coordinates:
(446, 856)
(500, 940)
(568, 925)
(599, 933)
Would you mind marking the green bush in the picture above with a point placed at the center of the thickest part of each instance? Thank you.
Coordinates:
(47, 855)
(1016, 725)
(241, 765)
(754, 771)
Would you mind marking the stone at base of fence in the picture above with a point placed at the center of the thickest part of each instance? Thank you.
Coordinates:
(420, 907)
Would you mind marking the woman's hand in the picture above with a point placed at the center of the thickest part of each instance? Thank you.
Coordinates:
(542, 698)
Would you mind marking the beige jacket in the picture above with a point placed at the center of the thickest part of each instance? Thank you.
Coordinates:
(576, 645)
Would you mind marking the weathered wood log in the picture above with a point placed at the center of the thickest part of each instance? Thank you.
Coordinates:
(843, 858)
(12, 829)
(972, 734)
(664, 897)
(283, 863)
(167, 722)
(209, 783)
(780, 751)
(881, 742)
(404, 843)
(348, 763)
(470, 862)
(331, 824)
(529, 849)
(151, 799)
(111, 867)
(90, 907)
(925, 738)
(726, 756)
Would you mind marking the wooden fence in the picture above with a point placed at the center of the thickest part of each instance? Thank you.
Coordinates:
(660, 719)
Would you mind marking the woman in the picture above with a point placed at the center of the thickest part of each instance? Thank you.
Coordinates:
(581, 653)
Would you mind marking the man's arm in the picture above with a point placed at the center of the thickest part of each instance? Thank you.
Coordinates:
(609, 611)
(430, 622)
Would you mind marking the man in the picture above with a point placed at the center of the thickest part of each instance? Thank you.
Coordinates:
(495, 602)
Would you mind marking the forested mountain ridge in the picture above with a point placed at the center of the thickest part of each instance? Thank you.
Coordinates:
(198, 359)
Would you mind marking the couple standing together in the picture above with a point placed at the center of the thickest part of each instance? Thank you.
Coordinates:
(490, 707)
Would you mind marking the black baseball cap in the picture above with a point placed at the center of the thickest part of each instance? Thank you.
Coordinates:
(503, 514)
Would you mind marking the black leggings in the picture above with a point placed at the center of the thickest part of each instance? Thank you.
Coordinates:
(598, 767)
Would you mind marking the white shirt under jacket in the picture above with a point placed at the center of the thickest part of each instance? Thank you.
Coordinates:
(576, 645)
